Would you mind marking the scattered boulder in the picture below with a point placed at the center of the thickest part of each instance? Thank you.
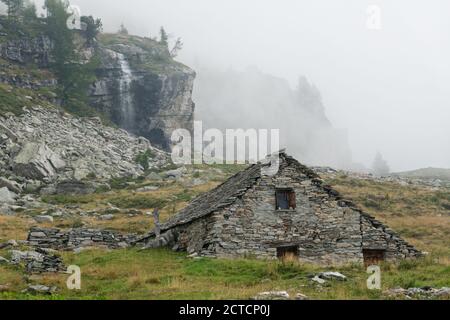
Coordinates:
(40, 289)
(147, 189)
(37, 161)
(10, 243)
(3, 260)
(300, 296)
(44, 219)
(175, 174)
(272, 295)
(332, 276)
(11, 185)
(318, 280)
(107, 217)
(7, 196)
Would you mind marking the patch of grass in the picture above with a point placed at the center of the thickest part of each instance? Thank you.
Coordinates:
(163, 274)
(138, 202)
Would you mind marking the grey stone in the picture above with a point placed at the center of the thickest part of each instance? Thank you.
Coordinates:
(272, 295)
(3, 260)
(147, 189)
(41, 289)
(37, 161)
(300, 296)
(11, 185)
(44, 219)
(318, 280)
(332, 276)
(7, 196)
(107, 217)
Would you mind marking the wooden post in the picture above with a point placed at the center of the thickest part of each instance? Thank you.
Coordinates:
(156, 220)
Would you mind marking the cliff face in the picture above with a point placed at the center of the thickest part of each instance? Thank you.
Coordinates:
(142, 89)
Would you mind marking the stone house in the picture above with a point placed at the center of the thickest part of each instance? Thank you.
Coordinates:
(291, 213)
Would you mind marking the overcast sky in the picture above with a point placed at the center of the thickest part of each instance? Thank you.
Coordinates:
(390, 88)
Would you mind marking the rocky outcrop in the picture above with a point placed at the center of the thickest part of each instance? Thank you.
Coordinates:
(28, 50)
(143, 90)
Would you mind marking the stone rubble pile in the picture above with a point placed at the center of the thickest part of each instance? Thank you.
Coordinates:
(78, 238)
(38, 261)
(426, 292)
(48, 151)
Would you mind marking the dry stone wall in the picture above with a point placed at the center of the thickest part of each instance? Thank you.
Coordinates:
(78, 238)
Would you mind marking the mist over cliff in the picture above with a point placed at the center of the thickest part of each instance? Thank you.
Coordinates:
(251, 99)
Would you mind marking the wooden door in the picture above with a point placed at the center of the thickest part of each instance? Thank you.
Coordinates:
(373, 257)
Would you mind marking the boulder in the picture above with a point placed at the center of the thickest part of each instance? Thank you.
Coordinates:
(332, 276)
(107, 217)
(7, 196)
(44, 219)
(37, 161)
(147, 189)
(11, 185)
(3, 260)
(40, 289)
(272, 295)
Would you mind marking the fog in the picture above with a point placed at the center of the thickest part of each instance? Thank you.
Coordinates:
(389, 88)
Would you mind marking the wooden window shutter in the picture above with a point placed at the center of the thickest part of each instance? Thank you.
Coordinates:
(292, 200)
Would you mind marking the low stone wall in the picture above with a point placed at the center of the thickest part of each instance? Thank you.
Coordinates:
(78, 238)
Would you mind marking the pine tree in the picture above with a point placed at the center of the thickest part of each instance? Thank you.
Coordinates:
(123, 29)
(380, 166)
(164, 37)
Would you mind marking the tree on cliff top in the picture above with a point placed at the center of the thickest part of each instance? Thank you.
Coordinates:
(74, 76)
(14, 7)
(163, 37)
(380, 166)
(93, 27)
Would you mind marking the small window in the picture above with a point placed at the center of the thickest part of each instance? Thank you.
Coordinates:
(285, 199)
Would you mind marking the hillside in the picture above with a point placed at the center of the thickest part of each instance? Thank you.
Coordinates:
(426, 173)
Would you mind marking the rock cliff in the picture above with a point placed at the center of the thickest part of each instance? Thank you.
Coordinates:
(139, 87)
(142, 89)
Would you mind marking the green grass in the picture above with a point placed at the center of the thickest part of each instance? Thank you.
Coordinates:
(163, 274)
